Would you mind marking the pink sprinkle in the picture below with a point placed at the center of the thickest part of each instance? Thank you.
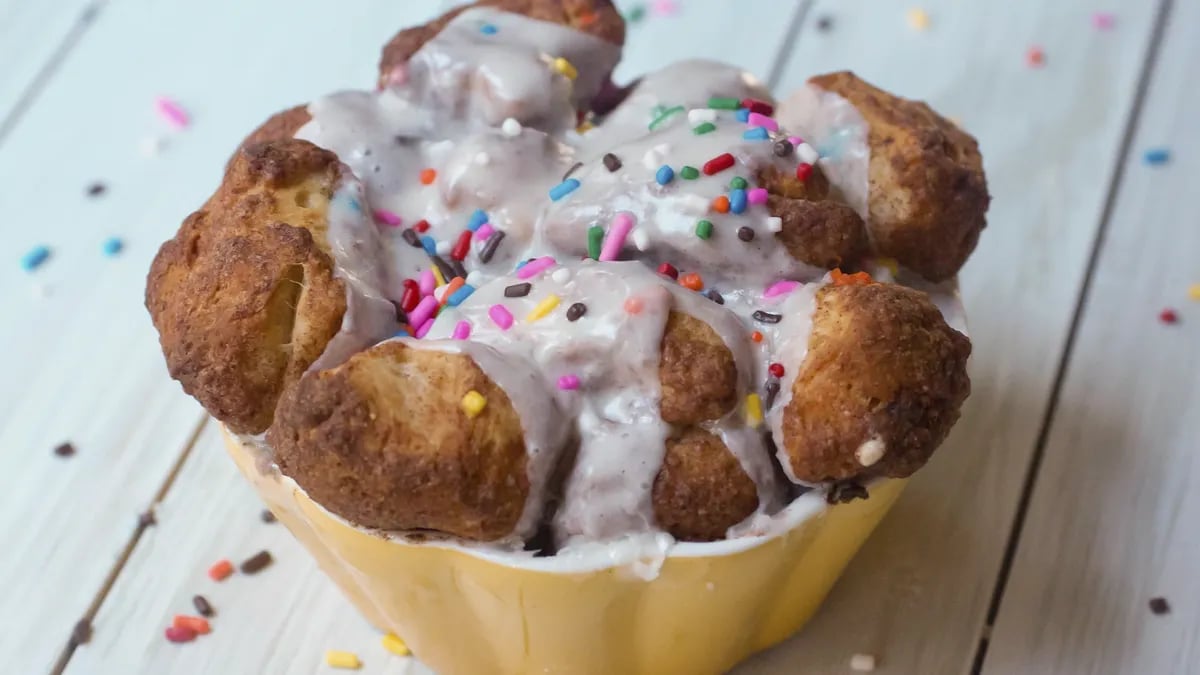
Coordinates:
(665, 7)
(780, 288)
(615, 239)
(485, 230)
(426, 282)
(398, 76)
(1104, 20)
(761, 120)
(422, 312)
(172, 112)
(462, 330)
(534, 266)
(757, 196)
(795, 141)
(424, 328)
(387, 217)
(634, 305)
(568, 382)
(501, 316)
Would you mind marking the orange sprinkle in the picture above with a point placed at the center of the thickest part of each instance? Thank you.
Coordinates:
(634, 305)
(220, 570)
(455, 284)
(721, 204)
(586, 20)
(840, 278)
(692, 281)
(756, 336)
(194, 623)
(428, 176)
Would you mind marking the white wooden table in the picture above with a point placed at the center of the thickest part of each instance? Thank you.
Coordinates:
(1065, 500)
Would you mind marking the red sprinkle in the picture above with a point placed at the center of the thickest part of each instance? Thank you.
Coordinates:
(760, 107)
(776, 369)
(178, 634)
(462, 246)
(195, 624)
(428, 176)
(756, 336)
(1035, 57)
(1168, 316)
(668, 270)
(411, 296)
(718, 164)
(220, 570)
(804, 171)
(692, 281)
(634, 305)
(422, 226)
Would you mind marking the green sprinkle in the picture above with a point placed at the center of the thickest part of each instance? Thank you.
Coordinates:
(704, 229)
(738, 183)
(719, 103)
(635, 14)
(664, 116)
(595, 238)
(704, 128)
(689, 172)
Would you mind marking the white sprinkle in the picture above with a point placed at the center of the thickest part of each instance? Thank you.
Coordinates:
(698, 115)
(475, 277)
(692, 204)
(863, 663)
(444, 246)
(511, 127)
(440, 292)
(870, 452)
(663, 149)
(640, 239)
(775, 224)
(652, 160)
(150, 146)
(483, 159)
(807, 154)
(41, 291)
(561, 275)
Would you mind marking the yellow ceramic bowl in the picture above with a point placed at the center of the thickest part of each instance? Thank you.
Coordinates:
(471, 612)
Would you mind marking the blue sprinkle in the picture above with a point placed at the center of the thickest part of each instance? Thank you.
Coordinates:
(737, 201)
(564, 188)
(461, 294)
(477, 220)
(665, 175)
(756, 134)
(34, 258)
(355, 205)
(112, 246)
(743, 114)
(488, 29)
(520, 265)
(430, 244)
(1156, 156)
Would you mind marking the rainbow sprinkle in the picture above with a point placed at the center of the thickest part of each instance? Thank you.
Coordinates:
(501, 316)
(462, 330)
(473, 403)
(535, 266)
(563, 189)
(568, 382)
(617, 232)
(782, 287)
(542, 308)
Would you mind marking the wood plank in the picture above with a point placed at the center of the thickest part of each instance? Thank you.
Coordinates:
(1112, 520)
(87, 367)
(209, 512)
(918, 595)
(33, 37)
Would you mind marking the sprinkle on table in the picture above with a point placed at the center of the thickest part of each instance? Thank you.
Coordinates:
(35, 257)
(1104, 20)
(1194, 292)
(918, 19)
(1156, 156)
(576, 311)
(81, 633)
(96, 189)
(665, 8)
(564, 188)
(704, 229)
(256, 563)
(179, 635)
(543, 308)
(343, 660)
(395, 645)
(473, 403)
(825, 23)
(1168, 316)
(202, 605)
(171, 112)
(220, 570)
(146, 519)
(198, 625)
(64, 450)
(1035, 57)
(1160, 606)
(635, 14)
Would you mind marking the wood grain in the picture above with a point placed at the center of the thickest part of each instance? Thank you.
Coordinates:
(34, 36)
(1112, 520)
(918, 595)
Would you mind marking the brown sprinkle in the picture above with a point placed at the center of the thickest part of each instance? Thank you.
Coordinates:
(267, 516)
(489, 249)
(772, 388)
(745, 234)
(517, 290)
(1160, 606)
(713, 295)
(572, 170)
(783, 147)
(611, 162)
(410, 236)
(202, 605)
(256, 562)
(146, 518)
(64, 450)
(844, 493)
(81, 634)
(96, 189)
(459, 269)
(440, 263)
(767, 317)
(575, 311)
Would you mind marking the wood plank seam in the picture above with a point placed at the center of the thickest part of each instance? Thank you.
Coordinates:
(1150, 61)
(86, 19)
(792, 38)
(94, 607)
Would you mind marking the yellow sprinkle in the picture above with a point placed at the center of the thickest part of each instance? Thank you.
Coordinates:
(1194, 292)
(543, 308)
(437, 275)
(585, 127)
(563, 67)
(473, 403)
(395, 645)
(891, 265)
(347, 660)
(753, 410)
(918, 19)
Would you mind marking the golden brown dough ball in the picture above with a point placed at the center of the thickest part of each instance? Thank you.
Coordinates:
(244, 297)
(696, 372)
(928, 195)
(880, 387)
(596, 17)
(701, 490)
(817, 229)
(278, 127)
(384, 442)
